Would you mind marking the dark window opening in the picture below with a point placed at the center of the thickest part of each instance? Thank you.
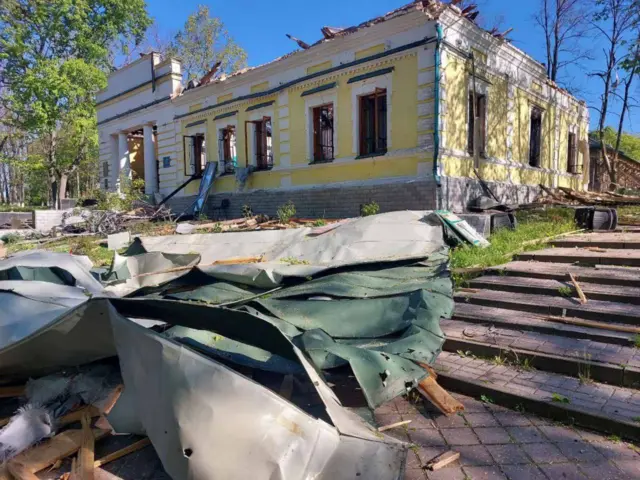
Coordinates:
(195, 155)
(228, 153)
(479, 112)
(535, 140)
(572, 153)
(263, 144)
(105, 169)
(323, 133)
(373, 123)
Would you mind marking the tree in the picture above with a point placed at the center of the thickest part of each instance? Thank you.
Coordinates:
(617, 22)
(564, 23)
(203, 42)
(629, 143)
(55, 56)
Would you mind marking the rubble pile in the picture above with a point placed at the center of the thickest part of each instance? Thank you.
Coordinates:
(209, 346)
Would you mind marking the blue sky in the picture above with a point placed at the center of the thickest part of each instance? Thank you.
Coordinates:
(260, 26)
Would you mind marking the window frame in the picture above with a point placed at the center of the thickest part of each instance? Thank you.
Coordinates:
(327, 97)
(223, 160)
(316, 132)
(480, 96)
(572, 152)
(198, 167)
(538, 160)
(362, 139)
(363, 88)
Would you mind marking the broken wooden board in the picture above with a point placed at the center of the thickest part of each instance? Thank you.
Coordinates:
(12, 391)
(442, 460)
(585, 257)
(50, 451)
(616, 240)
(134, 447)
(86, 454)
(439, 397)
(394, 425)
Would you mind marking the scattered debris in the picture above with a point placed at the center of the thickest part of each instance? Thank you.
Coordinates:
(394, 425)
(117, 241)
(583, 298)
(442, 460)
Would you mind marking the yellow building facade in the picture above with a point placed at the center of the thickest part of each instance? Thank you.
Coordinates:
(409, 110)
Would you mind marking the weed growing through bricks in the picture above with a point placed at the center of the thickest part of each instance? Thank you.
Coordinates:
(636, 340)
(286, 212)
(556, 397)
(565, 291)
(486, 399)
(584, 368)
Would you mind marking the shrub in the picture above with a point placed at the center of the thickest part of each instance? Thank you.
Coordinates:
(371, 208)
(247, 212)
(286, 212)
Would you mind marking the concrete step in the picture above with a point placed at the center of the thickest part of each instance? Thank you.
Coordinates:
(580, 358)
(593, 291)
(601, 407)
(501, 317)
(599, 310)
(617, 240)
(583, 256)
(629, 277)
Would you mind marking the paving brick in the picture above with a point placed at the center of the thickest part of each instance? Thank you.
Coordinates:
(383, 419)
(616, 450)
(508, 454)
(525, 434)
(631, 468)
(451, 473)
(602, 471)
(387, 408)
(523, 472)
(481, 419)
(512, 419)
(566, 471)
(426, 437)
(403, 406)
(418, 421)
(454, 421)
(474, 455)
(492, 435)
(544, 453)
(559, 433)
(425, 454)
(580, 452)
(484, 473)
(459, 436)
(414, 474)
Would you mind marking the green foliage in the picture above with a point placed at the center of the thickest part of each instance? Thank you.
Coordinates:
(286, 212)
(204, 41)
(486, 399)
(629, 143)
(217, 228)
(55, 58)
(246, 211)
(636, 340)
(368, 209)
(532, 225)
(321, 222)
(294, 261)
(122, 202)
(565, 291)
(556, 397)
(10, 238)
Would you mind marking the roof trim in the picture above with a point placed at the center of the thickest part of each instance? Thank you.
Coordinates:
(311, 76)
(133, 110)
(260, 105)
(193, 124)
(321, 88)
(375, 73)
(225, 115)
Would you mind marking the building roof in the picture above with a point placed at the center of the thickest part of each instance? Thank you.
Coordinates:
(594, 144)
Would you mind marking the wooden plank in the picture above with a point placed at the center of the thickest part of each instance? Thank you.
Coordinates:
(442, 460)
(12, 391)
(134, 447)
(594, 324)
(20, 471)
(394, 425)
(86, 454)
(50, 451)
(439, 397)
(584, 256)
(576, 285)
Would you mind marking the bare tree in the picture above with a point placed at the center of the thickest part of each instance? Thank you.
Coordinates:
(564, 23)
(616, 21)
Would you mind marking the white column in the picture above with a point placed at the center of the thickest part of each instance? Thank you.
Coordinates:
(150, 167)
(114, 168)
(123, 157)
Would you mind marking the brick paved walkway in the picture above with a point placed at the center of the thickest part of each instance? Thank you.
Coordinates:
(497, 443)
(539, 342)
(612, 401)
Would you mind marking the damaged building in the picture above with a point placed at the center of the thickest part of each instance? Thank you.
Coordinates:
(412, 110)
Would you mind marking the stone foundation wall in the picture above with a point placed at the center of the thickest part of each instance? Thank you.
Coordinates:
(326, 202)
(458, 193)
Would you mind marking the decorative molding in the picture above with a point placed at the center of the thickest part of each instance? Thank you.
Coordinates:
(321, 88)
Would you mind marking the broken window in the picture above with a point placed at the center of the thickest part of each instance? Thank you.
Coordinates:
(323, 133)
(479, 111)
(263, 144)
(105, 169)
(535, 140)
(572, 153)
(228, 156)
(195, 155)
(373, 123)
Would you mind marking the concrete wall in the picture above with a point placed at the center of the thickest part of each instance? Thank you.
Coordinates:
(45, 220)
(5, 217)
(457, 193)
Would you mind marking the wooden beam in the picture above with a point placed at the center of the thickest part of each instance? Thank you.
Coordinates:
(442, 460)
(86, 455)
(12, 391)
(583, 298)
(394, 425)
(134, 447)
(593, 324)
(437, 395)
(19, 471)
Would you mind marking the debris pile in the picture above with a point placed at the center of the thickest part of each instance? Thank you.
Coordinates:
(278, 342)
(568, 196)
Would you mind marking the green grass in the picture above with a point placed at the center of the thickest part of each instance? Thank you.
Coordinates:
(532, 225)
(100, 255)
(636, 340)
(556, 397)
(565, 291)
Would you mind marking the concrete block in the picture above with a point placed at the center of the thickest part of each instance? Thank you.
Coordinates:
(118, 240)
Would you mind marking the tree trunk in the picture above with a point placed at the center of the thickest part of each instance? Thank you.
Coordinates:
(62, 188)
